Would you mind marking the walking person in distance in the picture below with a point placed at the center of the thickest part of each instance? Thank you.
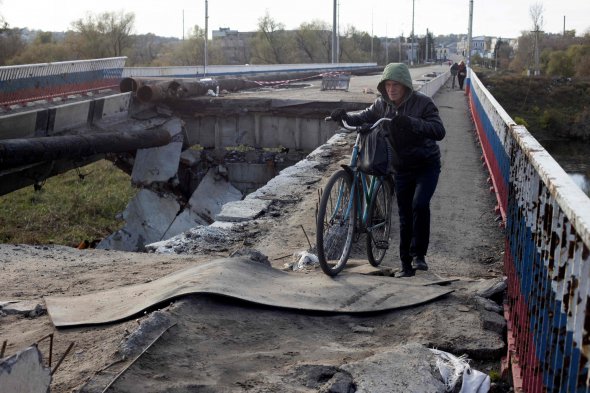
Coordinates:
(414, 131)
(461, 74)
(454, 70)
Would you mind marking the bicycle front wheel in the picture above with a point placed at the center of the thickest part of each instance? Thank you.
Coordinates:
(335, 223)
(379, 222)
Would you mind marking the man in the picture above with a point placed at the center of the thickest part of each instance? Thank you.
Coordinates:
(454, 70)
(413, 131)
(461, 74)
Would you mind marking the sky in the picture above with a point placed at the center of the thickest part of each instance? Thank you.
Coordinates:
(500, 18)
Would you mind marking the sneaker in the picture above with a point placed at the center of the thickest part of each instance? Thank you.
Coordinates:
(405, 273)
(419, 263)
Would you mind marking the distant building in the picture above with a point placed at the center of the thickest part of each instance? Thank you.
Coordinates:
(234, 45)
(483, 46)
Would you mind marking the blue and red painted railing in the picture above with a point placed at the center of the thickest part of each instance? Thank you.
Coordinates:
(31, 82)
(547, 257)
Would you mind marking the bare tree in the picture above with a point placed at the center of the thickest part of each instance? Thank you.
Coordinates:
(271, 44)
(314, 40)
(104, 35)
(536, 13)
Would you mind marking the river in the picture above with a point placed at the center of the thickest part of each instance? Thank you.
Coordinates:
(574, 158)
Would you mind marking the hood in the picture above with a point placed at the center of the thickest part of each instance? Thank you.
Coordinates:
(398, 72)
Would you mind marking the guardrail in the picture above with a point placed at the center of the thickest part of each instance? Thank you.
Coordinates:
(431, 87)
(241, 70)
(547, 255)
(31, 82)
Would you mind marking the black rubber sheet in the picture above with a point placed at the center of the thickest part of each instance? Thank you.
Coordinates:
(248, 280)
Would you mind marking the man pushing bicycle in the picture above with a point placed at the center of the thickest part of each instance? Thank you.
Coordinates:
(413, 132)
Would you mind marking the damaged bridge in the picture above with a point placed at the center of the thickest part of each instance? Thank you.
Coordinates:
(251, 164)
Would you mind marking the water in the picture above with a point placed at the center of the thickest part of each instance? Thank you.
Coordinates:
(574, 158)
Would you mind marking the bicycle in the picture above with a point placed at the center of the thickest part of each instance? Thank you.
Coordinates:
(353, 203)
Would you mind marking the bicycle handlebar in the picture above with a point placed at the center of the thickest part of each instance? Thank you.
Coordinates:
(358, 128)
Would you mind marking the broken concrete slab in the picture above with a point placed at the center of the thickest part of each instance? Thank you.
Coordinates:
(407, 368)
(148, 216)
(159, 164)
(25, 372)
(212, 193)
(489, 288)
(245, 210)
(29, 308)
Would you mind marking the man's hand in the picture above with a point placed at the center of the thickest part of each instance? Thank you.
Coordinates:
(400, 123)
(365, 129)
(339, 115)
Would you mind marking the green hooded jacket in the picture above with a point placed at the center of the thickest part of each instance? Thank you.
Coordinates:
(416, 146)
(398, 72)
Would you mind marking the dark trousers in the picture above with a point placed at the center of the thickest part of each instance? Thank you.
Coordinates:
(414, 189)
(453, 84)
(461, 81)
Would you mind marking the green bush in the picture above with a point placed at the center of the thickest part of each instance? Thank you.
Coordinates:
(521, 122)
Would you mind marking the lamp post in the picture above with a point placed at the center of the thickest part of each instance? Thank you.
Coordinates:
(335, 34)
(206, 35)
(469, 33)
(412, 40)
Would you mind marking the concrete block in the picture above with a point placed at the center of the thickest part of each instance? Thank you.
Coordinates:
(204, 134)
(148, 216)
(211, 194)
(158, 164)
(18, 125)
(407, 368)
(183, 222)
(310, 134)
(30, 308)
(245, 210)
(493, 321)
(190, 157)
(287, 132)
(25, 372)
(115, 104)
(269, 132)
(69, 116)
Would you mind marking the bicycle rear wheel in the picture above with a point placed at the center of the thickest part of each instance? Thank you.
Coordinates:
(335, 223)
(379, 222)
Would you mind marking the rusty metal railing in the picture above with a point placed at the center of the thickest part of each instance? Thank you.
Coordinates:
(25, 83)
(547, 257)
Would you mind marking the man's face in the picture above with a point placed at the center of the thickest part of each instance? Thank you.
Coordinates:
(395, 91)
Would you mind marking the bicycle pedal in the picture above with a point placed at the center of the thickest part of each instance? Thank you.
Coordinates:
(382, 244)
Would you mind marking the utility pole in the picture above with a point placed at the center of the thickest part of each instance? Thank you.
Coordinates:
(399, 42)
(334, 34)
(386, 46)
(206, 34)
(412, 40)
(371, 34)
(469, 34)
(183, 25)
(427, 52)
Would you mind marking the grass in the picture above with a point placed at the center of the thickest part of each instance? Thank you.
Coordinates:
(68, 209)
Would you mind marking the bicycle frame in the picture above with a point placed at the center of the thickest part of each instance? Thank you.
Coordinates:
(368, 186)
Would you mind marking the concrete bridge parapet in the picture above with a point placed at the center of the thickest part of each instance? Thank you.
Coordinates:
(547, 257)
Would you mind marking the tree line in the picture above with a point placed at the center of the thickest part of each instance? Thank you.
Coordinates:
(110, 34)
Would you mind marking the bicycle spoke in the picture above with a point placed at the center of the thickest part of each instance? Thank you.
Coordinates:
(335, 224)
(379, 223)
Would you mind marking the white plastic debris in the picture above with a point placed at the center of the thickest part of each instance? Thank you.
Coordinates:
(303, 260)
(453, 369)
